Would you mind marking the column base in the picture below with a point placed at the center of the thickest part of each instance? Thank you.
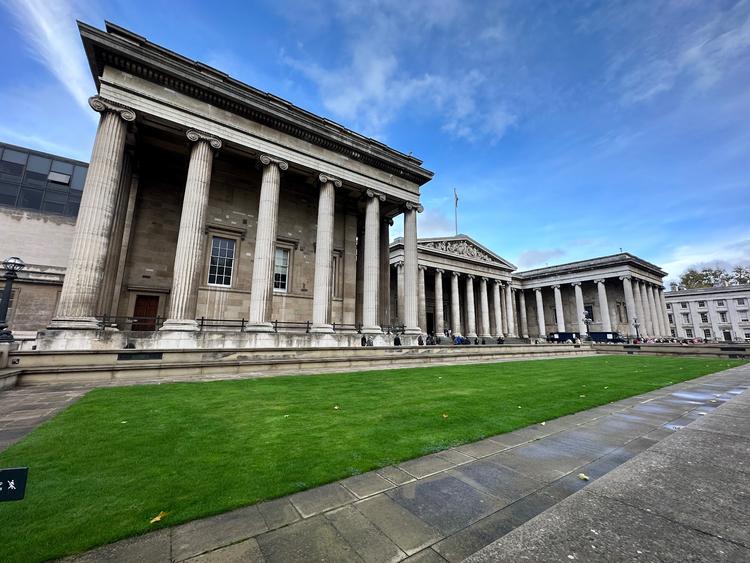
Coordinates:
(372, 330)
(74, 323)
(179, 325)
(471, 335)
(259, 327)
(413, 330)
(321, 329)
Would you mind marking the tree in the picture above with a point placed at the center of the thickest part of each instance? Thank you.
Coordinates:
(694, 278)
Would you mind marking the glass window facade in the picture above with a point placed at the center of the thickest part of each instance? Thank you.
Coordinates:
(40, 182)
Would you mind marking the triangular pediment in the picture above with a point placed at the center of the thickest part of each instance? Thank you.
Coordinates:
(465, 247)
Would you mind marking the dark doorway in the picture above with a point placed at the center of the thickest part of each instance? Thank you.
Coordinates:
(430, 322)
(145, 311)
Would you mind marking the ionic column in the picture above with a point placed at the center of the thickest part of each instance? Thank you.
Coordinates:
(471, 318)
(540, 313)
(498, 309)
(385, 271)
(559, 308)
(639, 309)
(261, 288)
(455, 305)
(400, 291)
(522, 307)
(189, 254)
(372, 264)
(603, 306)
(422, 300)
(664, 312)
(411, 290)
(439, 324)
(627, 288)
(324, 254)
(655, 322)
(511, 326)
(76, 308)
(580, 311)
(648, 326)
(484, 308)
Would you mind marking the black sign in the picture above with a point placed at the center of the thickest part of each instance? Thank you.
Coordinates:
(13, 483)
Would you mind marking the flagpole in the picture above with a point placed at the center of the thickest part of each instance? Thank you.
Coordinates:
(455, 209)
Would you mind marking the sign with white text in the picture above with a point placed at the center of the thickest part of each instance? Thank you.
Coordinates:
(13, 483)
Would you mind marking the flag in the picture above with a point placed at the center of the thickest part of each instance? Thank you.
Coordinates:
(455, 197)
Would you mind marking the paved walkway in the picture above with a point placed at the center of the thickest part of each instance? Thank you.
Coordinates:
(24, 408)
(685, 499)
(445, 506)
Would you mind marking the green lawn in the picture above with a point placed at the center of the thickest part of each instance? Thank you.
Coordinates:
(101, 469)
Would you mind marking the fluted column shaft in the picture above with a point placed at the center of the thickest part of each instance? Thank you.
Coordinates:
(88, 254)
(559, 309)
(497, 308)
(422, 300)
(471, 315)
(541, 324)
(439, 324)
(524, 319)
(372, 264)
(655, 321)
(603, 306)
(455, 305)
(510, 314)
(648, 325)
(484, 308)
(261, 288)
(580, 311)
(385, 272)
(639, 309)
(189, 254)
(400, 291)
(321, 321)
(627, 288)
(665, 315)
(411, 291)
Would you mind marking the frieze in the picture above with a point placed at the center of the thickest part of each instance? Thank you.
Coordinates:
(459, 248)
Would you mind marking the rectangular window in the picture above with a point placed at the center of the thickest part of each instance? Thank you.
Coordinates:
(707, 333)
(222, 262)
(669, 306)
(720, 303)
(740, 301)
(673, 332)
(686, 318)
(37, 170)
(30, 199)
(337, 274)
(747, 335)
(8, 194)
(689, 332)
(723, 317)
(701, 303)
(704, 318)
(743, 316)
(11, 165)
(281, 270)
(671, 319)
(683, 305)
(589, 311)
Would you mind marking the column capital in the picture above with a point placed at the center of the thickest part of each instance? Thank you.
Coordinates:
(499, 283)
(455, 274)
(470, 276)
(556, 286)
(411, 205)
(484, 279)
(388, 221)
(600, 280)
(421, 267)
(538, 289)
(623, 278)
(101, 105)
(399, 264)
(439, 270)
(373, 193)
(267, 160)
(195, 135)
(575, 284)
(325, 178)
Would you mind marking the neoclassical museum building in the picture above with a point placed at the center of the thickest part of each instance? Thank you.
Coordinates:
(217, 215)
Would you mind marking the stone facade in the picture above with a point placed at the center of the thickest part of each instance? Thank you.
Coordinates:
(712, 313)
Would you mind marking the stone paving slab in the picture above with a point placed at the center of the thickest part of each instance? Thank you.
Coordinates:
(445, 506)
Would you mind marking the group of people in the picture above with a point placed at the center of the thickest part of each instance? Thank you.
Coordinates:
(435, 340)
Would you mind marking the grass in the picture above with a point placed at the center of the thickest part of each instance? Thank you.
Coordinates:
(101, 469)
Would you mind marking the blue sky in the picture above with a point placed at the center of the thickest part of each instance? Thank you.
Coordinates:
(569, 129)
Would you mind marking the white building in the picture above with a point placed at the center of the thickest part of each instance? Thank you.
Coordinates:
(712, 313)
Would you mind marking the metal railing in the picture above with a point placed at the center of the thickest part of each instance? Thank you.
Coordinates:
(144, 324)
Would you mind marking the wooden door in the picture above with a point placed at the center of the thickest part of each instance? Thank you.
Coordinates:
(145, 311)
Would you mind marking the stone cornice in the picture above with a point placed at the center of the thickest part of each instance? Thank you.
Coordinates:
(100, 105)
(131, 53)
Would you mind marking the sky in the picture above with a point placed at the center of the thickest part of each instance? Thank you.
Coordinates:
(570, 130)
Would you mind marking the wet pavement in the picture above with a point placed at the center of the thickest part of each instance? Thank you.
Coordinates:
(449, 505)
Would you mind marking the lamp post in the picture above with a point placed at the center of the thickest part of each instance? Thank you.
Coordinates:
(587, 321)
(12, 266)
(636, 325)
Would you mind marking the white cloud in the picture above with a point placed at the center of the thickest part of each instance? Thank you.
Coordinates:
(531, 258)
(732, 252)
(50, 32)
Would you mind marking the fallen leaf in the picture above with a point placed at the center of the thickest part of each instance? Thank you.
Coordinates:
(544, 423)
(158, 517)
(445, 415)
(581, 396)
(583, 477)
(335, 407)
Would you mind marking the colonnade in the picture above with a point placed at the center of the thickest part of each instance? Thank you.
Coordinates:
(83, 281)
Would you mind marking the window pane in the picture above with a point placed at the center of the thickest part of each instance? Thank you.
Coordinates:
(59, 178)
(222, 261)
(14, 156)
(8, 194)
(281, 269)
(38, 164)
(10, 171)
(62, 167)
(72, 208)
(78, 178)
(30, 199)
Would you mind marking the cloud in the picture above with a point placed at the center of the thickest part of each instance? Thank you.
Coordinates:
(433, 223)
(710, 253)
(49, 30)
(531, 258)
